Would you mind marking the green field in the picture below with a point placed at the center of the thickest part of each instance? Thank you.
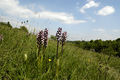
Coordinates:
(74, 64)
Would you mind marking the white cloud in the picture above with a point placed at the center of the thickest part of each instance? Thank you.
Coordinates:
(107, 10)
(90, 4)
(16, 23)
(12, 7)
(99, 30)
(66, 18)
(106, 34)
(103, 34)
(116, 30)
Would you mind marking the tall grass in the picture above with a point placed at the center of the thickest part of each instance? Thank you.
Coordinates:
(75, 64)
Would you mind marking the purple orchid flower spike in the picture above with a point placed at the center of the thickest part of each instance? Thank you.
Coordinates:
(45, 37)
(58, 34)
(58, 37)
(40, 40)
(63, 39)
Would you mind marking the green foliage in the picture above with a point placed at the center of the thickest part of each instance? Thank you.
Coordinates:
(9, 25)
(18, 60)
(118, 40)
(6, 24)
(52, 37)
(107, 47)
(24, 29)
(109, 51)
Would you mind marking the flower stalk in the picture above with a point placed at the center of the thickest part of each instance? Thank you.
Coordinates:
(40, 38)
(58, 37)
(63, 39)
(45, 39)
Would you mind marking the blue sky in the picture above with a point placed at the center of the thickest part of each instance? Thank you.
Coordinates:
(82, 19)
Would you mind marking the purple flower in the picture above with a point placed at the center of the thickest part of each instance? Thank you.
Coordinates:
(45, 37)
(63, 38)
(40, 38)
(58, 34)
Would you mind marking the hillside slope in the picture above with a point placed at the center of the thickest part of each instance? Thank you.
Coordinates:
(75, 64)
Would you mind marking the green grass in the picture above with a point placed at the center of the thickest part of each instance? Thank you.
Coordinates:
(75, 64)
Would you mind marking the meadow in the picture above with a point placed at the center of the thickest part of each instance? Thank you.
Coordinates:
(19, 60)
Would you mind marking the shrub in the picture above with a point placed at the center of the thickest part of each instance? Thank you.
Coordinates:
(24, 29)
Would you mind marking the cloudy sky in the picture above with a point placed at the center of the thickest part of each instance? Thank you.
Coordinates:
(82, 19)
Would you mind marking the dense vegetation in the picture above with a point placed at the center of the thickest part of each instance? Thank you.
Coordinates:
(109, 47)
(18, 60)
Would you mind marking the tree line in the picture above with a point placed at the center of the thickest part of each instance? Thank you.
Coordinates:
(109, 47)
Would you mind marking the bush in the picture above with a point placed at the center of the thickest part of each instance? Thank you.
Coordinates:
(107, 47)
(9, 25)
(24, 29)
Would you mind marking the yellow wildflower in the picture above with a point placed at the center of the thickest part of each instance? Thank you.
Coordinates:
(49, 60)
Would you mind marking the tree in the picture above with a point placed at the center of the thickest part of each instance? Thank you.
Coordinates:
(118, 40)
